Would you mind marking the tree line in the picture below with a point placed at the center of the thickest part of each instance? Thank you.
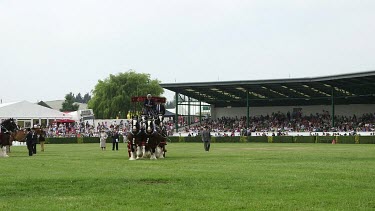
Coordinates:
(70, 102)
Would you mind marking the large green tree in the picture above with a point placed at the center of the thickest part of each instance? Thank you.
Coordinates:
(111, 97)
(69, 103)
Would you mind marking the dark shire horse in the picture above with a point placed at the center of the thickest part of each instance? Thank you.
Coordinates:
(145, 142)
(151, 142)
(160, 136)
(132, 138)
(8, 127)
(143, 150)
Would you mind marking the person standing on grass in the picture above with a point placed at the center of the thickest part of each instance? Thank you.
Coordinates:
(103, 139)
(115, 139)
(34, 139)
(31, 138)
(42, 139)
(206, 138)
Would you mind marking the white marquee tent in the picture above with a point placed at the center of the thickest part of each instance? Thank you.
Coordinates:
(28, 113)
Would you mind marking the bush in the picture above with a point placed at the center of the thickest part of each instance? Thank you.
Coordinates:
(91, 140)
(304, 139)
(243, 139)
(225, 139)
(173, 139)
(193, 139)
(325, 139)
(282, 139)
(69, 140)
(259, 139)
(270, 139)
(181, 139)
(356, 139)
(345, 139)
(366, 139)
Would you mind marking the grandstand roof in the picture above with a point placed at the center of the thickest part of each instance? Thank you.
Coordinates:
(353, 88)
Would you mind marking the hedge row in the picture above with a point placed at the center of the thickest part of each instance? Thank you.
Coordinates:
(281, 139)
(80, 140)
(237, 139)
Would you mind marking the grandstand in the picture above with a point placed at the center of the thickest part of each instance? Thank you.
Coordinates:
(340, 97)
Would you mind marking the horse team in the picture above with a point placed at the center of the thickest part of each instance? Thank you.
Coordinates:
(147, 138)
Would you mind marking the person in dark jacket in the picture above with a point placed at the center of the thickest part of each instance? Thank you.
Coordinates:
(31, 139)
(149, 106)
(206, 138)
(159, 108)
(115, 139)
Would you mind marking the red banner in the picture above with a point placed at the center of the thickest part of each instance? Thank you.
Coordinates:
(143, 98)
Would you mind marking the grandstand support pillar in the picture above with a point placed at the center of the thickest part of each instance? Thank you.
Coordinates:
(247, 109)
(189, 117)
(176, 114)
(200, 110)
(333, 106)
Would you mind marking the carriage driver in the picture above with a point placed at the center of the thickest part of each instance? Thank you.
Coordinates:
(160, 109)
(149, 105)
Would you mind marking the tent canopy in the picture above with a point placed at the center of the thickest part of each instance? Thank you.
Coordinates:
(27, 110)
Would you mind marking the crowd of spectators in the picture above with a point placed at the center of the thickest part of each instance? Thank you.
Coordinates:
(282, 124)
(275, 124)
(85, 129)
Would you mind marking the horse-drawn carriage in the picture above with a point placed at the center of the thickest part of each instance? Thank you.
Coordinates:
(147, 135)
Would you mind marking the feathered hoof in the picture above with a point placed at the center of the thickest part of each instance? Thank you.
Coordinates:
(131, 158)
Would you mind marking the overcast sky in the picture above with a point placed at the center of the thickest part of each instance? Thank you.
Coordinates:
(49, 48)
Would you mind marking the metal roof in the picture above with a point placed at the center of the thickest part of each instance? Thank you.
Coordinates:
(353, 88)
(27, 110)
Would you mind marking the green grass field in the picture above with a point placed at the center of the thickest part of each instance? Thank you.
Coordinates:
(241, 176)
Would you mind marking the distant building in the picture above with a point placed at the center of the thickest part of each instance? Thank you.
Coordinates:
(82, 114)
(57, 104)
